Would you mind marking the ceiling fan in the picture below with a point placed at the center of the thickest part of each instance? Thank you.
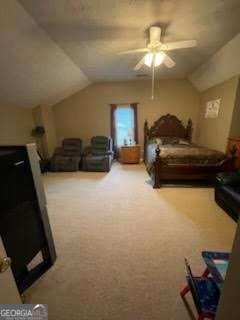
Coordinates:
(155, 52)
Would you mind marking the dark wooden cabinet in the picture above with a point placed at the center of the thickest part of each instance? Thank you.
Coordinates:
(24, 226)
(234, 143)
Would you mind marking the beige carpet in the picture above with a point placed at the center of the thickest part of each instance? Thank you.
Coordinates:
(121, 245)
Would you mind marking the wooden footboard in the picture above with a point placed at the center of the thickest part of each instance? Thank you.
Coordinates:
(164, 172)
(170, 126)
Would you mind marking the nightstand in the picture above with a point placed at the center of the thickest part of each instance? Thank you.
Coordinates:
(130, 154)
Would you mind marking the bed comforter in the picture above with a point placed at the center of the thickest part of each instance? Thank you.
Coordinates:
(183, 154)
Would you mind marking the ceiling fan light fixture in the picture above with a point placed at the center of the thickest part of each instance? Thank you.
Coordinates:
(158, 59)
(154, 58)
(156, 52)
(148, 59)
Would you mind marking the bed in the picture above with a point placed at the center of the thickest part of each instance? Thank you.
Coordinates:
(170, 155)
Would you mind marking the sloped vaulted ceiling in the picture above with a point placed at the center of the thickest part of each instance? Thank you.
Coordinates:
(92, 32)
(52, 48)
(33, 68)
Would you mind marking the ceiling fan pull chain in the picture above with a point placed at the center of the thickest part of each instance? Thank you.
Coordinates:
(153, 75)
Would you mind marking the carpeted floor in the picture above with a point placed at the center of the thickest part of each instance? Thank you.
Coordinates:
(121, 245)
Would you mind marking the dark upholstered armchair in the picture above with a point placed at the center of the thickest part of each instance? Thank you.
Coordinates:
(227, 193)
(98, 156)
(67, 157)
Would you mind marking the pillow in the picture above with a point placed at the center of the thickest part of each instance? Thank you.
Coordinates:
(170, 140)
(155, 140)
(184, 141)
(159, 141)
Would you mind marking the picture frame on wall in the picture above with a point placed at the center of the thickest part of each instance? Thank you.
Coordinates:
(212, 108)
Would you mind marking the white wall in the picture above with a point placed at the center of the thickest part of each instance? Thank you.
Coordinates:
(214, 132)
(229, 302)
(87, 113)
(16, 125)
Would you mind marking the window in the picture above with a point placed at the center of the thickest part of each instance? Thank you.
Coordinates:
(124, 124)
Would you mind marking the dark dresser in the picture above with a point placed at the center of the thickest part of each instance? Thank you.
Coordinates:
(234, 143)
(24, 224)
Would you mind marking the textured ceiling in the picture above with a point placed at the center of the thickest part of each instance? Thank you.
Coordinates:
(33, 69)
(222, 66)
(91, 32)
(52, 48)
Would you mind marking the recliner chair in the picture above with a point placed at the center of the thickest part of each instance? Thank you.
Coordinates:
(227, 193)
(68, 157)
(98, 156)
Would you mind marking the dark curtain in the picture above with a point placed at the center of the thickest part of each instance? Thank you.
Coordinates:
(112, 125)
(134, 107)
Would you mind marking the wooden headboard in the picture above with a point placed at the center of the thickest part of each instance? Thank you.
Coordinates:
(168, 126)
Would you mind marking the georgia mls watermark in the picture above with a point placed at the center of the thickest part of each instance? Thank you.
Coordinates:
(23, 312)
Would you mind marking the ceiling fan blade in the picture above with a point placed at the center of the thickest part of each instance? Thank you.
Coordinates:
(179, 45)
(155, 34)
(133, 51)
(139, 65)
(168, 61)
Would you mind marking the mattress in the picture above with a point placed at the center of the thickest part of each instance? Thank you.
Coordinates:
(181, 154)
